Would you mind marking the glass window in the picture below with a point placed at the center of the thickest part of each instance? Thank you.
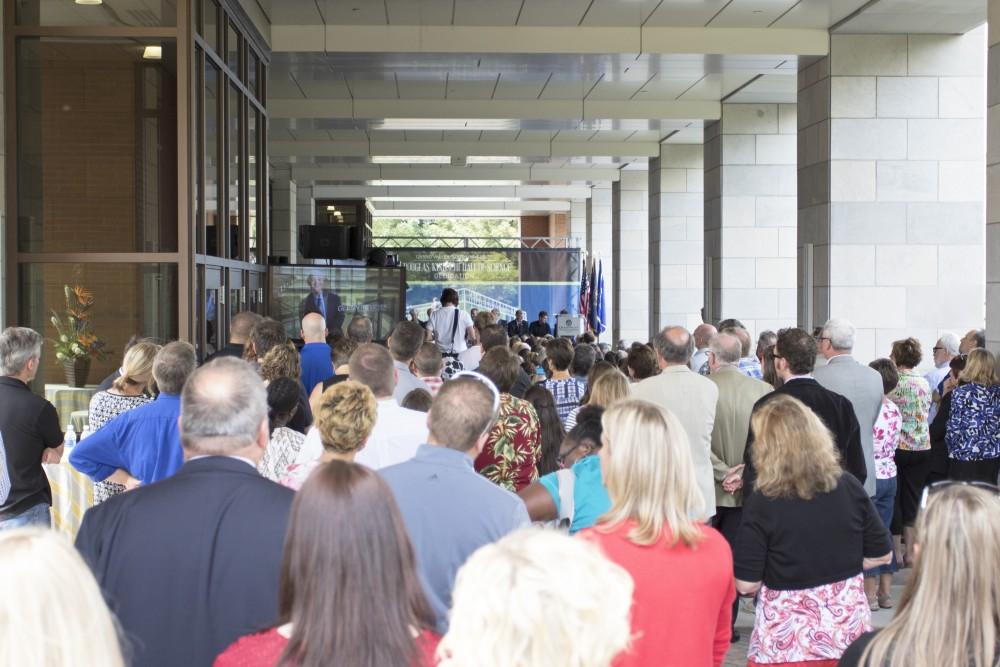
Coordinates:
(210, 24)
(128, 299)
(109, 12)
(253, 179)
(212, 107)
(233, 47)
(253, 65)
(198, 158)
(97, 145)
(234, 208)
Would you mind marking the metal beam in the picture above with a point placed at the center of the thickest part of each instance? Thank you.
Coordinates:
(467, 192)
(376, 109)
(548, 39)
(512, 206)
(507, 175)
(465, 148)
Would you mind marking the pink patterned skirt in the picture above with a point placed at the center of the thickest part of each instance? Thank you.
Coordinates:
(814, 624)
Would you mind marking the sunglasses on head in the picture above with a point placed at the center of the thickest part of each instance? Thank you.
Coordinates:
(931, 489)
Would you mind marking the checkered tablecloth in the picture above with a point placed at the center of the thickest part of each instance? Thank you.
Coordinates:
(72, 495)
(68, 400)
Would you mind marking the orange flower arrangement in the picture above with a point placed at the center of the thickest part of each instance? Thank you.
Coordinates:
(76, 339)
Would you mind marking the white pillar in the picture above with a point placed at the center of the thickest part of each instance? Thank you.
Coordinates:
(891, 187)
(750, 215)
(578, 223)
(993, 181)
(676, 236)
(630, 254)
(599, 247)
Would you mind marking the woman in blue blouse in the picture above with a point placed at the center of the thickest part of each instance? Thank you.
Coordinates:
(973, 434)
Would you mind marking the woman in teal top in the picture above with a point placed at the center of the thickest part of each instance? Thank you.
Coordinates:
(576, 495)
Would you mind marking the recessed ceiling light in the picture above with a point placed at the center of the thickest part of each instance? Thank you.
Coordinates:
(492, 159)
(403, 181)
(411, 159)
(89, 2)
(152, 53)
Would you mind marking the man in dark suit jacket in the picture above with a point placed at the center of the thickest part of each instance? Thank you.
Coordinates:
(794, 359)
(518, 326)
(323, 301)
(191, 563)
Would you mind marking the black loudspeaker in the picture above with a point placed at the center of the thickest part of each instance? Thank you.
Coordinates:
(325, 241)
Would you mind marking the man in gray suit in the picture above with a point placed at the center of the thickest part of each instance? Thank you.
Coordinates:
(691, 397)
(861, 385)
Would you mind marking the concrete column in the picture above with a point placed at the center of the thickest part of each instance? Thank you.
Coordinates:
(891, 187)
(750, 215)
(284, 223)
(599, 247)
(993, 180)
(578, 223)
(630, 254)
(676, 236)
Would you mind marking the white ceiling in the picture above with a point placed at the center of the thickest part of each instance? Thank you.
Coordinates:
(575, 89)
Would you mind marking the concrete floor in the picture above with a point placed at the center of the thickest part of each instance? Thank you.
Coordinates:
(737, 656)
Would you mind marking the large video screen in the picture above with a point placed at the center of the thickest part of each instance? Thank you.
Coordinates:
(338, 293)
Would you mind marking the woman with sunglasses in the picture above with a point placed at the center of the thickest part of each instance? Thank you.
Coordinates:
(575, 495)
(949, 615)
(972, 432)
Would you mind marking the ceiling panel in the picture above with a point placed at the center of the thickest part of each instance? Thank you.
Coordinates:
(553, 12)
(574, 135)
(611, 135)
(324, 89)
(470, 90)
(751, 13)
(918, 16)
(619, 13)
(499, 135)
(280, 85)
(292, 12)
(352, 12)
(419, 12)
(487, 12)
(817, 13)
(518, 90)
(535, 135)
(685, 12)
(566, 90)
(716, 86)
(373, 90)
(769, 89)
(424, 135)
(348, 135)
(431, 88)
(665, 89)
(310, 135)
(645, 135)
(614, 90)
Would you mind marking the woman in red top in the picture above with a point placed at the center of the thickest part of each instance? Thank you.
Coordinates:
(683, 570)
(349, 590)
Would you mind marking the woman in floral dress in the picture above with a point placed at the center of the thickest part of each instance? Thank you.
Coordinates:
(913, 458)
(808, 532)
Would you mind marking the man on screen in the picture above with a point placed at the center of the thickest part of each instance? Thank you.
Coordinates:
(322, 301)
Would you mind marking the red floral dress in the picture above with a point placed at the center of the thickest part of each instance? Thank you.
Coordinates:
(513, 446)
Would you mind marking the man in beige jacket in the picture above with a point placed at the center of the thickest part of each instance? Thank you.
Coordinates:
(737, 395)
(690, 397)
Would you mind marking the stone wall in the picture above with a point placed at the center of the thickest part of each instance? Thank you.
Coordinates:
(630, 243)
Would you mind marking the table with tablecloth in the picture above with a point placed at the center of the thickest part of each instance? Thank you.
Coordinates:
(68, 400)
(72, 495)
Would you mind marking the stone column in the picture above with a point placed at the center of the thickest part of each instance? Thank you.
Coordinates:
(284, 222)
(750, 215)
(578, 223)
(993, 181)
(676, 236)
(630, 254)
(599, 247)
(891, 187)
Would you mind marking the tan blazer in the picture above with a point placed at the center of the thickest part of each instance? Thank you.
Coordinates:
(737, 395)
(692, 399)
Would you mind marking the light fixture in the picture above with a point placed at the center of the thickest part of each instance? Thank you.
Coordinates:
(392, 181)
(411, 159)
(492, 159)
(152, 53)
(331, 209)
(445, 124)
(89, 2)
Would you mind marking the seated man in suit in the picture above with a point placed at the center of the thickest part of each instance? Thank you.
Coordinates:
(323, 301)
(190, 564)
(794, 359)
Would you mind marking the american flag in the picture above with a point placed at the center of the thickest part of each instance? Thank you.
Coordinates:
(585, 293)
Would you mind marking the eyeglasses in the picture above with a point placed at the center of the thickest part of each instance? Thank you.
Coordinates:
(486, 381)
(931, 489)
(937, 348)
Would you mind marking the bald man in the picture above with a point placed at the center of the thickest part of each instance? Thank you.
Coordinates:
(702, 335)
(691, 397)
(316, 354)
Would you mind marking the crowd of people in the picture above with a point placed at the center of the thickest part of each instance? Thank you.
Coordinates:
(478, 493)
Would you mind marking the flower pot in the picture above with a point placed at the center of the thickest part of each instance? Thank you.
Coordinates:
(77, 371)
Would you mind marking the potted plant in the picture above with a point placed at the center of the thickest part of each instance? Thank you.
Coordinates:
(76, 344)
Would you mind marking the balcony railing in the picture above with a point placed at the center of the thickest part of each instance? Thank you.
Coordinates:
(475, 243)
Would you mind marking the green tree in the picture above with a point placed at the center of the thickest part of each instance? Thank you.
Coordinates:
(447, 227)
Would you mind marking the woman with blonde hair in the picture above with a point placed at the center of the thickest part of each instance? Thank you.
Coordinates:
(809, 531)
(281, 361)
(551, 582)
(52, 613)
(345, 417)
(683, 570)
(608, 392)
(972, 435)
(949, 615)
(130, 390)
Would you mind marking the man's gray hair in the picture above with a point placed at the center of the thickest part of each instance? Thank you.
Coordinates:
(726, 347)
(360, 330)
(18, 346)
(173, 365)
(674, 344)
(950, 343)
(840, 333)
(222, 407)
